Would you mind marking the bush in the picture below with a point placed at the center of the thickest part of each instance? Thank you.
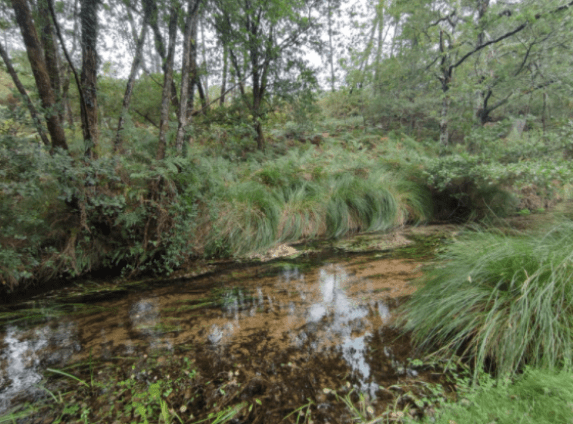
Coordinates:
(501, 301)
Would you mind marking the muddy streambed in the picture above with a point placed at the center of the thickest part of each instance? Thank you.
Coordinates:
(310, 340)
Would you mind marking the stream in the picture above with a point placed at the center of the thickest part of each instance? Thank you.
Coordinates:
(309, 339)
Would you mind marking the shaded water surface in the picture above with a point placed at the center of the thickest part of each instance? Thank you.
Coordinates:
(275, 336)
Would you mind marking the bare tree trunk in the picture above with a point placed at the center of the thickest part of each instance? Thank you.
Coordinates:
(193, 61)
(445, 80)
(205, 63)
(444, 133)
(330, 47)
(66, 97)
(224, 76)
(50, 53)
(260, 135)
(89, 20)
(202, 95)
(68, 71)
(182, 116)
(130, 83)
(41, 76)
(168, 80)
(482, 7)
(150, 9)
(381, 39)
(33, 112)
(194, 69)
(258, 93)
(544, 114)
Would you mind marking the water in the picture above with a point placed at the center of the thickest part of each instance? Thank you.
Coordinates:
(275, 336)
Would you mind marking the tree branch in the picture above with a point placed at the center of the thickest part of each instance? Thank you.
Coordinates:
(147, 118)
(506, 35)
(489, 43)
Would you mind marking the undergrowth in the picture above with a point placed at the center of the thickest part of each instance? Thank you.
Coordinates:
(65, 216)
(62, 215)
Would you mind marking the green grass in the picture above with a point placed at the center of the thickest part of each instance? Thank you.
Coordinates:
(538, 397)
(304, 195)
(501, 301)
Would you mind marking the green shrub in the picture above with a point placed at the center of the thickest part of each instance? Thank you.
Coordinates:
(501, 301)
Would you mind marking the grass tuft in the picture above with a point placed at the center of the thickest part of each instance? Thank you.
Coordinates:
(503, 301)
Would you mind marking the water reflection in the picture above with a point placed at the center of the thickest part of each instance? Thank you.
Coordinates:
(329, 312)
(25, 352)
(145, 318)
(343, 317)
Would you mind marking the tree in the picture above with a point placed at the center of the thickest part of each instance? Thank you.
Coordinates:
(40, 72)
(51, 56)
(446, 34)
(167, 82)
(192, 8)
(131, 80)
(33, 112)
(150, 9)
(263, 38)
(89, 21)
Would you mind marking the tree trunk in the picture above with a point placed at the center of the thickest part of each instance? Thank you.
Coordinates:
(130, 83)
(50, 53)
(444, 135)
(224, 76)
(445, 80)
(482, 7)
(67, 76)
(260, 135)
(258, 93)
(167, 82)
(330, 47)
(66, 98)
(544, 114)
(89, 20)
(379, 47)
(33, 112)
(206, 66)
(193, 61)
(150, 9)
(202, 95)
(182, 116)
(41, 76)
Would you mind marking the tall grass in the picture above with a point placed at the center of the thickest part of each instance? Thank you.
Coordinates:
(503, 301)
(303, 195)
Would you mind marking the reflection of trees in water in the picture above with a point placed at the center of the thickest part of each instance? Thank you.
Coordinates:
(146, 319)
(23, 352)
(339, 318)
